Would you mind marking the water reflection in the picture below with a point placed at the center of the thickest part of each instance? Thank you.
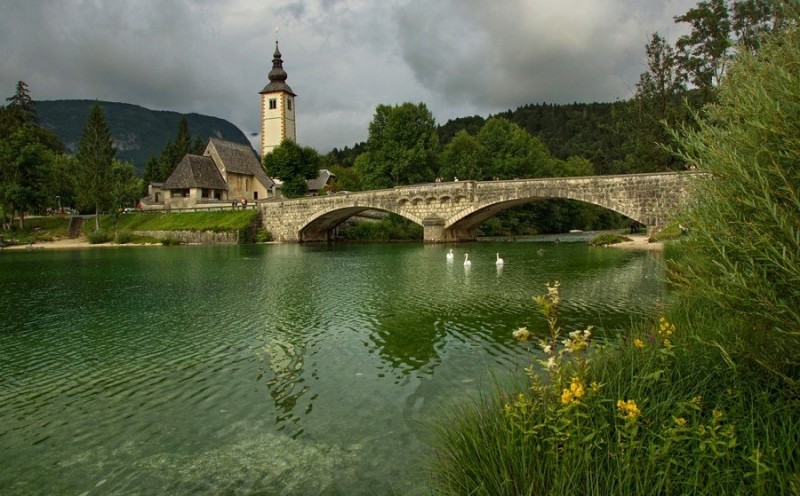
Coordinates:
(167, 370)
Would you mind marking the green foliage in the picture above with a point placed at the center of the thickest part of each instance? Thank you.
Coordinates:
(99, 236)
(37, 229)
(745, 223)
(263, 236)
(347, 179)
(703, 53)
(95, 161)
(464, 157)
(123, 236)
(608, 239)
(402, 147)
(655, 413)
(24, 162)
(293, 165)
(514, 153)
(158, 169)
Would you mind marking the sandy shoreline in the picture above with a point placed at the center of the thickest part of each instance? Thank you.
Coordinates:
(70, 244)
(638, 242)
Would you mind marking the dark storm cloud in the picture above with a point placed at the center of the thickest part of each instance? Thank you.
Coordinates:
(343, 57)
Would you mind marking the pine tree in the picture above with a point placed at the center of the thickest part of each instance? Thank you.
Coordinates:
(95, 158)
(20, 106)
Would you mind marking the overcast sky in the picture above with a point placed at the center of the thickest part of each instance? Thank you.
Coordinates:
(343, 57)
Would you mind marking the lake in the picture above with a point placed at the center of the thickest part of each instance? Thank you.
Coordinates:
(271, 369)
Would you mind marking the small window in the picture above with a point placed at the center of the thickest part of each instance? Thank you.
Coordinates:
(289, 104)
(273, 103)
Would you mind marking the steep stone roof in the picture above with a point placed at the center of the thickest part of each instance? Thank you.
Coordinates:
(320, 181)
(277, 76)
(194, 171)
(238, 158)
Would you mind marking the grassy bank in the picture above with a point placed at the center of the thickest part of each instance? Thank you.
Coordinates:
(120, 229)
(704, 397)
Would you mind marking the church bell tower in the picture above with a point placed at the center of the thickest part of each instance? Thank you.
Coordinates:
(277, 107)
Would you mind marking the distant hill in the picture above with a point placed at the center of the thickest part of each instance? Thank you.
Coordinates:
(138, 133)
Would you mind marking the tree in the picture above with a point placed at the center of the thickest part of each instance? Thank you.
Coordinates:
(20, 106)
(703, 53)
(513, 152)
(657, 105)
(402, 146)
(124, 187)
(464, 157)
(26, 154)
(158, 169)
(293, 165)
(95, 160)
(24, 166)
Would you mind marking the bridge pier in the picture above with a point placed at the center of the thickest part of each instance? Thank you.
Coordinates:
(435, 232)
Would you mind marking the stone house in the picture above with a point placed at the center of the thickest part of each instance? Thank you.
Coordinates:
(225, 172)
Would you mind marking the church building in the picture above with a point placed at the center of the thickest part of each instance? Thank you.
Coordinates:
(229, 171)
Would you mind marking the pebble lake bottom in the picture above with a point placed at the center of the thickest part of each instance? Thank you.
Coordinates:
(272, 369)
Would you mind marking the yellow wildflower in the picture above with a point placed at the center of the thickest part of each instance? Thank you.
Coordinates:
(628, 410)
(566, 397)
(665, 328)
(576, 388)
(667, 343)
(638, 343)
(680, 422)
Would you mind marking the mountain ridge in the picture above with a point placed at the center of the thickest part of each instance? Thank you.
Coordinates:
(137, 132)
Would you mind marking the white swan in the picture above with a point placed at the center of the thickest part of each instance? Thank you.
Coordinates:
(450, 254)
(499, 260)
(467, 263)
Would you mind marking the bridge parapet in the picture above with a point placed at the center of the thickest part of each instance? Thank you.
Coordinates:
(452, 211)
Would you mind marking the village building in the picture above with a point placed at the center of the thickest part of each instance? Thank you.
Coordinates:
(230, 172)
(226, 171)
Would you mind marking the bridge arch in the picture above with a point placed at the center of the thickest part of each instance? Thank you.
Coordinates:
(320, 226)
(470, 219)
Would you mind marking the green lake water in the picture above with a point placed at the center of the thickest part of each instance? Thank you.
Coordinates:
(271, 369)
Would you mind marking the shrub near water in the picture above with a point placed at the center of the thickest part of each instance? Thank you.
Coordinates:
(744, 247)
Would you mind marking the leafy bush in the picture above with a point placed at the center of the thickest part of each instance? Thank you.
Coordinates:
(745, 241)
(123, 236)
(98, 236)
(263, 236)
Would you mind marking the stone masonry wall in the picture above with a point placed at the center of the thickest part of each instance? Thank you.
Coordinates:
(194, 237)
(451, 211)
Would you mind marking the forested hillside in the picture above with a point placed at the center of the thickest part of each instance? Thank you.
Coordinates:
(138, 133)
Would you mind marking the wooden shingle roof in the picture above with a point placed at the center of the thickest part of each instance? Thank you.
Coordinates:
(194, 171)
(238, 159)
(320, 181)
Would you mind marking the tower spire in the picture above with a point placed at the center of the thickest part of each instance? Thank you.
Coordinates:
(277, 107)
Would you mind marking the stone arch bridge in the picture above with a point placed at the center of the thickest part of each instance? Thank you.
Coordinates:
(452, 211)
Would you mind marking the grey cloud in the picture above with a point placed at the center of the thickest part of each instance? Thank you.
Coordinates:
(343, 57)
